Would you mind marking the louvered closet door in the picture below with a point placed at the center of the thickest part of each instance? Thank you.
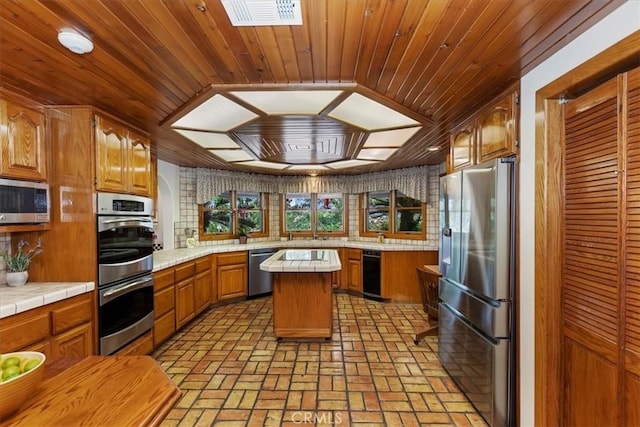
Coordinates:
(632, 253)
(591, 287)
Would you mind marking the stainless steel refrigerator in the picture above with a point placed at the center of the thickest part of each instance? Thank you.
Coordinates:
(476, 325)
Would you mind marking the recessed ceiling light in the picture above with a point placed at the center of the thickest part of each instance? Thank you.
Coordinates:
(342, 164)
(433, 148)
(75, 42)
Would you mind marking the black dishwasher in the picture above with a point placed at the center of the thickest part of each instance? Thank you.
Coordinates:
(371, 275)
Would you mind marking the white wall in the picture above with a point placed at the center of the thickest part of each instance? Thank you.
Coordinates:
(619, 24)
(168, 201)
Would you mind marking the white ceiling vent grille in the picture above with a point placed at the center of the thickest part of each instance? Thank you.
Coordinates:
(244, 13)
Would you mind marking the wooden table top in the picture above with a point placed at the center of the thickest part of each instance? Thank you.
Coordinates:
(99, 391)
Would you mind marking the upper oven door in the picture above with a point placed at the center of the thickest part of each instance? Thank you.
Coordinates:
(125, 247)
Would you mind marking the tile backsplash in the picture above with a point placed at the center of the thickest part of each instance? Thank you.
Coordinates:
(189, 214)
(5, 245)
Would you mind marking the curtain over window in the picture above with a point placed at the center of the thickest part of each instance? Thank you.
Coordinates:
(413, 182)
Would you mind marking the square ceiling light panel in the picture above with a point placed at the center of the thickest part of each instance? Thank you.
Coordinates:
(306, 167)
(289, 101)
(368, 114)
(218, 114)
(208, 139)
(232, 155)
(343, 164)
(376, 153)
(266, 165)
(390, 138)
(263, 12)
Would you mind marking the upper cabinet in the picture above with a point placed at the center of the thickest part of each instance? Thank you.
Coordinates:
(489, 134)
(123, 159)
(496, 130)
(22, 142)
(463, 146)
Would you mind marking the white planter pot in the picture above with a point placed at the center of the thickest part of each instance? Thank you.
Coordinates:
(18, 278)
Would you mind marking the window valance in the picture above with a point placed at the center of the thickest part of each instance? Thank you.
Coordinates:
(414, 182)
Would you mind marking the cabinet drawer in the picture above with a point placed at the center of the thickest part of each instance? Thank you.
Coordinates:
(163, 279)
(203, 264)
(163, 301)
(232, 258)
(164, 327)
(71, 314)
(23, 329)
(184, 271)
(355, 254)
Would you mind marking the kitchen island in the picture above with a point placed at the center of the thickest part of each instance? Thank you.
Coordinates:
(302, 292)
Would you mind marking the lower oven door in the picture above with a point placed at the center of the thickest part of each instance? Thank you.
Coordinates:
(125, 312)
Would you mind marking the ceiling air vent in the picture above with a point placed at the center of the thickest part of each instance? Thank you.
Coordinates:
(244, 13)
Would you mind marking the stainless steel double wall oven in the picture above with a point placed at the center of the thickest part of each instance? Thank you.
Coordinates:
(125, 262)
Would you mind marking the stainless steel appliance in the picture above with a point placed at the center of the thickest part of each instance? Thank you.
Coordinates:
(24, 202)
(476, 336)
(125, 262)
(371, 288)
(260, 282)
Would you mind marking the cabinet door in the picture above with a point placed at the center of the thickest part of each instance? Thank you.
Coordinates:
(185, 301)
(22, 142)
(463, 146)
(496, 130)
(74, 342)
(232, 281)
(164, 327)
(139, 164)
(354, 275)
(203, 290)
(111, 155)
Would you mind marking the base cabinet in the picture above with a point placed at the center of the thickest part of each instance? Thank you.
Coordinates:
(354, 270)
(185, 293)
(63, 328)
(164, 305)
(231, 275)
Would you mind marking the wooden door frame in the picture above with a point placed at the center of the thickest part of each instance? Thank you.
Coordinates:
(549, 150)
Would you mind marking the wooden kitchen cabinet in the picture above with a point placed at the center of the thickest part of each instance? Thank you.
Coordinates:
(74, 342)
(496, 130)
(185, 293)
(203, 283)
(63, 328)
(231, 275)
(489, 134)
(164, 304)
(336, 276)
(139, 347)
(123, 158)
(463, 146)
(22, 142)
(398, 274)
(354, 270)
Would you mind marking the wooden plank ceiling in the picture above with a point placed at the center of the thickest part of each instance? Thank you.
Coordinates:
(440, 59)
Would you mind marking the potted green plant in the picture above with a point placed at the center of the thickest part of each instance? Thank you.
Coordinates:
(242, 233)
(18, 262)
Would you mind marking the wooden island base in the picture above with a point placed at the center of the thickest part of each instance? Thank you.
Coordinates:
(302, 305)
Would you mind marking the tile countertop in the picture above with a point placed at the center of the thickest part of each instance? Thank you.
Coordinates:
(14, 300)
(302, 260)
(168, 258)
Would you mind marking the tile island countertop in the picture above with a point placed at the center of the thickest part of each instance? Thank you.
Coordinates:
(14, 300)
(302, 260)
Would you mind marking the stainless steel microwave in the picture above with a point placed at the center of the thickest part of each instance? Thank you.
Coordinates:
(24, 202)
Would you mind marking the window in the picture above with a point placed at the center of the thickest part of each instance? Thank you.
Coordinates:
(230, 212)
(392, 214)
(309, 213)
